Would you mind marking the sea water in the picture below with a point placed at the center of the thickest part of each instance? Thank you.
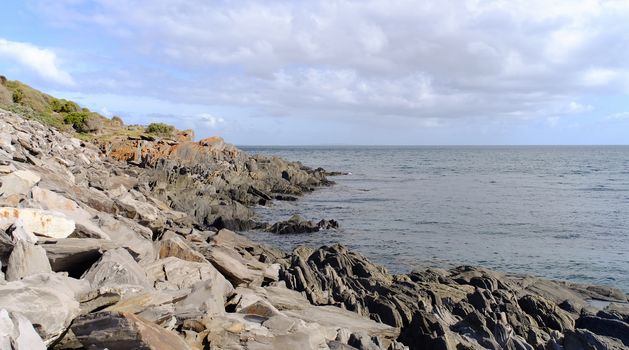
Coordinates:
(558, 212)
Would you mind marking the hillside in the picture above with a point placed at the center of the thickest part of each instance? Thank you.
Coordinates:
(68, 116)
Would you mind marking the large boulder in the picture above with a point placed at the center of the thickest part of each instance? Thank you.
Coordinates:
(26, 259)
(117, 269)
(119, 330)
(41, 222)
(50, 200)
(48, 301)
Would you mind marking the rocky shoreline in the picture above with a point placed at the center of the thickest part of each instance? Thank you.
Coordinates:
(125, 243)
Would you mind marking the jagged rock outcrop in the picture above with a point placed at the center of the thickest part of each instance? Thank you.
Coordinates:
(448, 309)
(224, 180)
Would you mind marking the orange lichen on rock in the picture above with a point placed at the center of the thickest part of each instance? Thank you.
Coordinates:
(212, 140)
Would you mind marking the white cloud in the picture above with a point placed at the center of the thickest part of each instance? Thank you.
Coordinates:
(620, 116)
(210, 121)
(432, 60)
(577, 108)
(599, 76)
(41, 61)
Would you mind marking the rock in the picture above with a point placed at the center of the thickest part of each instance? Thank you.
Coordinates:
(50, 200)
(17, 333)
(206, 298)
(49, 301)
(115, 330)
(607, 327)
(98, 299)
(362, 341)
(233, 267)
(139, 209)
(19, 233)
(26, 259)
(615, 311)
(581, 339)
(40, 222)
(18, 182)
(546, 314)
(260, 308)
(174, 273)
(177, 247)
(425, 330)
(129, 234)
(117, 269)
(296, 224)
(75, 255)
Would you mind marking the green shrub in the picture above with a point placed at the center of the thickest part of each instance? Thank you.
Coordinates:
(76, 119)
(160, 129)
(18, 95)
(63, 106)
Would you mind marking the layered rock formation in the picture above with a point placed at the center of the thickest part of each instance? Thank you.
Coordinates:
(122, 244)
(212, 180)
(465, 307)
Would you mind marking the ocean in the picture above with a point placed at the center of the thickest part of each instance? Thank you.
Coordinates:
(560, 212)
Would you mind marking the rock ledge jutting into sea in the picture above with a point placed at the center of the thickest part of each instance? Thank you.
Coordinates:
(125, 243)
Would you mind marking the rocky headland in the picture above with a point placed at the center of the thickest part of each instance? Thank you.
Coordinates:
(126, 241)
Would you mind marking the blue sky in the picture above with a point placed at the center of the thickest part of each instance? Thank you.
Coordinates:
(335, 72)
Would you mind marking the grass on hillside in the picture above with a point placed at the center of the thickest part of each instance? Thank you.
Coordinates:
(68, 116)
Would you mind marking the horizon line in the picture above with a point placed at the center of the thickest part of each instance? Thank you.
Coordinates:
(433, 145)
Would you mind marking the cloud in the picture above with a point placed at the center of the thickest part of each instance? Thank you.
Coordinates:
(577, 108)
(436, 61)
(43, 62)
(620, 116)
(210, 121)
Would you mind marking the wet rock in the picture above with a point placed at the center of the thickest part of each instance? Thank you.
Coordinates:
(296, 224)
(115, 330)
(26, 259)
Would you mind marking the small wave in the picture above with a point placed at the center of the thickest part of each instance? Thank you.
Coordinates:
(567, 236)
(426, 222)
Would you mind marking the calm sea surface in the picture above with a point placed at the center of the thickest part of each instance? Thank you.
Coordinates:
(556, 212)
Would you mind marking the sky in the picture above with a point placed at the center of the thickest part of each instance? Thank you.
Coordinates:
(443, 72)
